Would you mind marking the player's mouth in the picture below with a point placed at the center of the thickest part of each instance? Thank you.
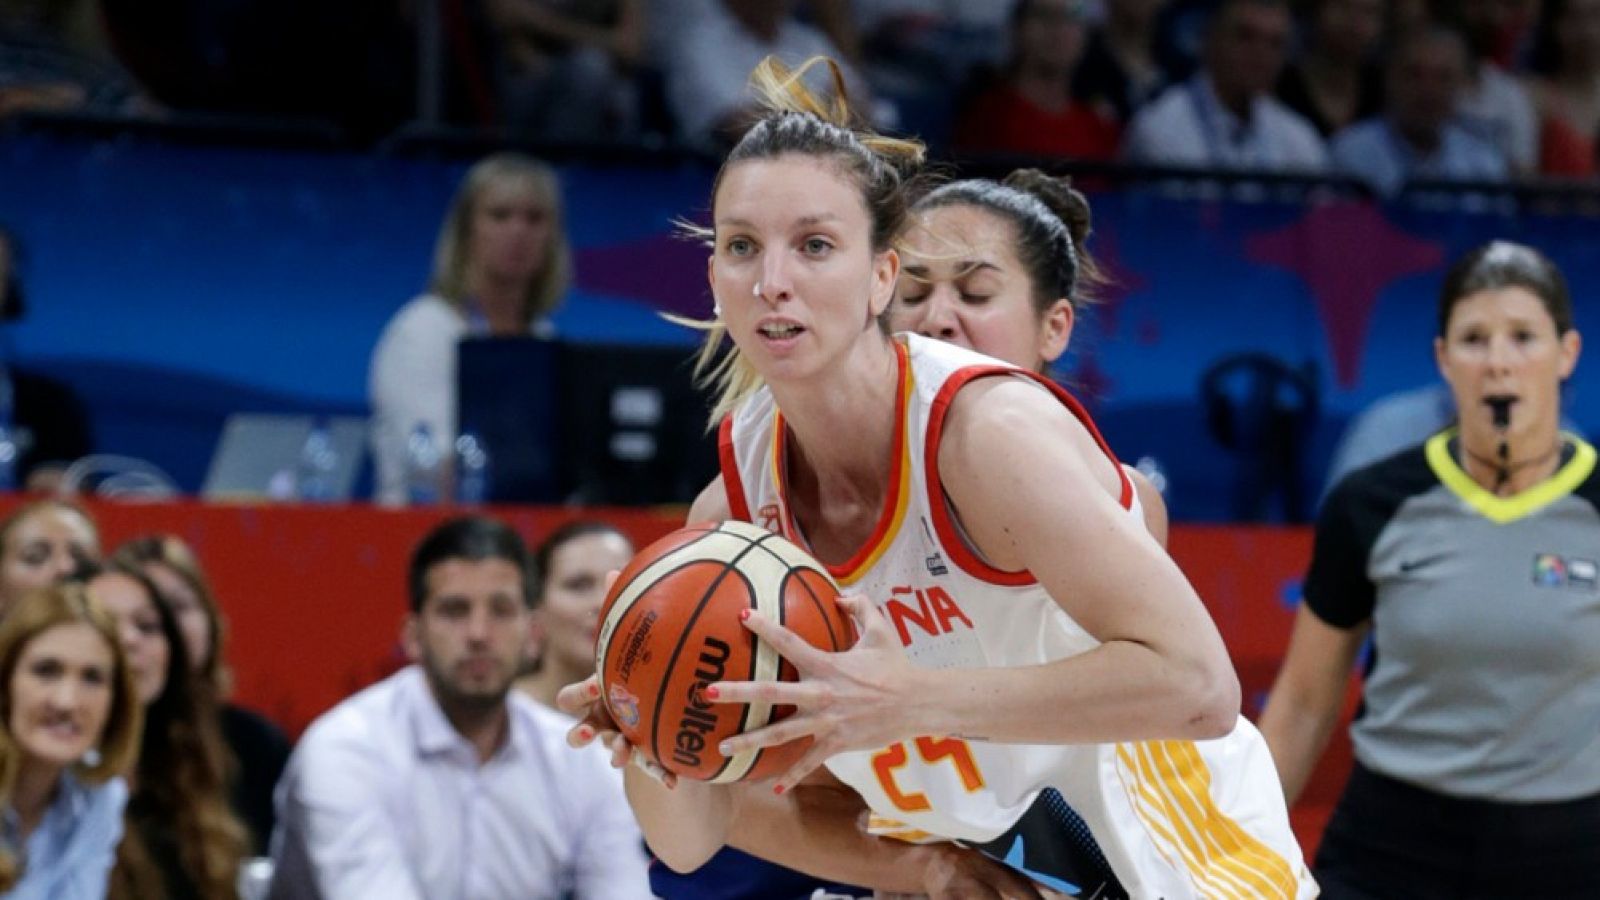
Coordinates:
(779, 331)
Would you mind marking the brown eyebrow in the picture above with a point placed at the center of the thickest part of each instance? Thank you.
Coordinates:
(804, 221)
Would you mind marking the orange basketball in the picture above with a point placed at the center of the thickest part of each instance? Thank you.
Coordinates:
(670, 626)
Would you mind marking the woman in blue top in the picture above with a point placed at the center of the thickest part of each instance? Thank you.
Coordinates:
(69, 723)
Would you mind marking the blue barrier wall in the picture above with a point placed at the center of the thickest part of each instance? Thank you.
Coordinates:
(173, 282)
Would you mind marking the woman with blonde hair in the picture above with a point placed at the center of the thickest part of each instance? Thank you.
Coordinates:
(258, 750)
(40, 543)
(69, 724)
(501, 266)
(1079, 671)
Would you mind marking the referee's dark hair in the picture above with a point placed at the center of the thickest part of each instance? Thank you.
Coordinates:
(1504, 264)
(472, 538)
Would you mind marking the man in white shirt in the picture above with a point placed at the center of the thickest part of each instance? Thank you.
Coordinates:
(1418, 137)
(443, 783)
(1226, 117)
(708, 65)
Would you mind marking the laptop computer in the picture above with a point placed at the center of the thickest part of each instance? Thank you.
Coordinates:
(258, 454)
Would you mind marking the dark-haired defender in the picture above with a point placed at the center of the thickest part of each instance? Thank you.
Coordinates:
(440, 781)
(1025, 643)
(1471, 561)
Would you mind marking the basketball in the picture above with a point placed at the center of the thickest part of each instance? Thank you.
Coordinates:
(670, 626)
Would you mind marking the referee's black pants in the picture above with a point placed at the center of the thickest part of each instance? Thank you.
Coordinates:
(1389, 840)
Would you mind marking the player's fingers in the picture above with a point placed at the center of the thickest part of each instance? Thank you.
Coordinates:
(778, 733)
(788, 644)
(871, 625)
(611, 578)
(797, 773)
(621, 751)
(804, 694)
(577, 699)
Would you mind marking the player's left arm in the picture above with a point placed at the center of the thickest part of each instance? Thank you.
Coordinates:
(1034, 492)
(1161, 671)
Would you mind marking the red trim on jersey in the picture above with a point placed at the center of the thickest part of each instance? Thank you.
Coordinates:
(731, 485)
(950, 537)
(894, 503)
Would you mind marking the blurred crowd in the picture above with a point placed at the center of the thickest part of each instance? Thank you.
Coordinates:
(1384, 90)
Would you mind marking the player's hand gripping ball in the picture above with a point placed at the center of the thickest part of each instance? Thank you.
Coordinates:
(670, 626)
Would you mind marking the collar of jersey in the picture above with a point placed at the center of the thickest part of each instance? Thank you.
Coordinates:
(1502, 510)
(894, 507)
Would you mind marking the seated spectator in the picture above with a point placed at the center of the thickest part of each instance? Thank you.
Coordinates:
(500, 267)
(1225, 117)
(441, 781)
(1495, 106)
(1121, 68)
(60, 658)
(1418, 136)
(571, 564)
(258, 749)
(917, 54)
(1031, 110)
(568, 66)
(41, 543)
(55, 56)
(708, 63)
(49, 424)
(180, 839)
(1337, 80)
(1566, 90)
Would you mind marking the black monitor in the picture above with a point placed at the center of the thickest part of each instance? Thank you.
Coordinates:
(587, 423)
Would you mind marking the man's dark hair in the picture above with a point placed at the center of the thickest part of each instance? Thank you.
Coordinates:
(472, 538)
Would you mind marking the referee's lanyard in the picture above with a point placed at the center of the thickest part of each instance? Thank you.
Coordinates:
(1228, 142)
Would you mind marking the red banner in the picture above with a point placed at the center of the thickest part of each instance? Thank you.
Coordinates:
(315, 596)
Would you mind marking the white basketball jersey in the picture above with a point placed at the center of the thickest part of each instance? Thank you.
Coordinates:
(1173, 819)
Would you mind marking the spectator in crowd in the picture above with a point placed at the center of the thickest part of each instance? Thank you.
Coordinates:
(1405, 15)
(707, 64)
(48, 422)
(1337, 80)
(181, 841)
(1225, 116)
(441, 781)
(500, 267)
(568, 66)
(1120, 67)
(571, 564)
(55, 56)
(41, 543)
(1495, 106)
(68, 694)
(1418, 136)
(1030, 110)
(1469, 561)
(917, 54)
(1566, 88)
(259, 749)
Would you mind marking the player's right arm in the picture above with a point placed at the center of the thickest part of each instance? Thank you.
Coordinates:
(815, 828)
(1305, 700)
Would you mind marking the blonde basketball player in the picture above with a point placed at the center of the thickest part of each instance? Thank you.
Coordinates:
(1031, 647)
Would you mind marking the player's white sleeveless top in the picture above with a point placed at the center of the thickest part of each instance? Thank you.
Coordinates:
(1174, 819)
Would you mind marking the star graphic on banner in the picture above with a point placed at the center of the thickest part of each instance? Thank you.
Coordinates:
(1347, 253)
(1121, 282)
(664, 271)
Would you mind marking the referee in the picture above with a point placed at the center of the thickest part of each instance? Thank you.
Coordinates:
(1471, 563)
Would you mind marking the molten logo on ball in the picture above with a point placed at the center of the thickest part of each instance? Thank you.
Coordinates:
(700, 716)
(671, 625)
